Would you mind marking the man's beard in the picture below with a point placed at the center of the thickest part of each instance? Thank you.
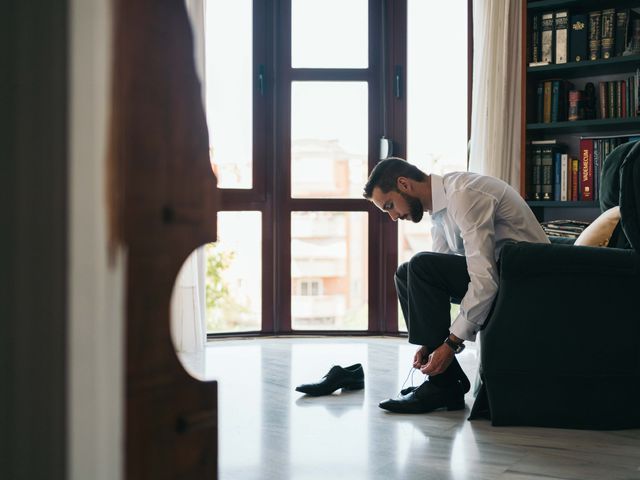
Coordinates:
(416, 210)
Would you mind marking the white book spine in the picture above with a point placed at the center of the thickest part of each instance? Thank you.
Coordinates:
(547, 37)
(561, 31)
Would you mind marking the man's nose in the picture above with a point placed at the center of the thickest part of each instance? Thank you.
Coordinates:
(393, 215)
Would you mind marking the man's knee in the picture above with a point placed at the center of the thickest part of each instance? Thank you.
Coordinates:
(401, 272)
(421, 261)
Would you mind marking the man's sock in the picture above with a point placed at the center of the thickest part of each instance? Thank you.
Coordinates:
(453, 376)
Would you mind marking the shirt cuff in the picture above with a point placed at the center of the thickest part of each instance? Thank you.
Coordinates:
(464, 329)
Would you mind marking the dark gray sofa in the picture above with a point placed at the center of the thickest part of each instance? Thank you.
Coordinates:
(562, 345)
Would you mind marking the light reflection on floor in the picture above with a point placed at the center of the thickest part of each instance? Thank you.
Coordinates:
(267, 430)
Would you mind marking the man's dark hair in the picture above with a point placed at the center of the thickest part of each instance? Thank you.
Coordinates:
(385, 175)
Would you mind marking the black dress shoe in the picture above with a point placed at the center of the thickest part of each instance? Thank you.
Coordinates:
(406, 391)
(426, 398)
(347, 378)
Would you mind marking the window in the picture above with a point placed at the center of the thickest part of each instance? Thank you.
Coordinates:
(329, 147)
(233, 280)
(436, 107)
(229, 90)
(298, 94)
(329, 270)
(309, 287)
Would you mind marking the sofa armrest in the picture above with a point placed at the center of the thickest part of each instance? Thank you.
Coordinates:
(555, 302)
(535, 259)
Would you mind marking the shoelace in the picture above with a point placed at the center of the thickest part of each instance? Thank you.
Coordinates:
(410, 374)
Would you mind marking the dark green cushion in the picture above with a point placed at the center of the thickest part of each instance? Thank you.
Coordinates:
(630, 196)
(614, 191)
(610, 180)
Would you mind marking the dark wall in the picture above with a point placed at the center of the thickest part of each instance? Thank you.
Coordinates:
(33, 239)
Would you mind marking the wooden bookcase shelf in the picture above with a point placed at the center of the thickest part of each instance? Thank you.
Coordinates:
(569, 133)
(590, 127)
(537, 6)
(551, 203)
(587, 68)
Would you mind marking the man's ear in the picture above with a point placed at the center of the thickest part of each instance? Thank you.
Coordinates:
(403, 185)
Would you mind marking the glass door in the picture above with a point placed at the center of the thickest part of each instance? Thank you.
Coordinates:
(327, 121)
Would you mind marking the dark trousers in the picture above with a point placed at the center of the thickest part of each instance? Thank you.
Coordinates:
(426, 286)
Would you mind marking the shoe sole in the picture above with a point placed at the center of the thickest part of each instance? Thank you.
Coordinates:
(353, 386)
(321, 393)
(450, 407)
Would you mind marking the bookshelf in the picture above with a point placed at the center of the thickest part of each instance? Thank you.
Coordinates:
(616, 70)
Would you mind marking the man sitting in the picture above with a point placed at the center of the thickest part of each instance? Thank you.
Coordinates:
(472, 216)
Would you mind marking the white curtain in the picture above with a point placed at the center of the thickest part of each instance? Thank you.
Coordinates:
(187, 327)
(187, 301)
(496, 108)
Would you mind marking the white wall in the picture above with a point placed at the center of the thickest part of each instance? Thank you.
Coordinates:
(96, 298)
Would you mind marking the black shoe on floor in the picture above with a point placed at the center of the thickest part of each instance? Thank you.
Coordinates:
(347, 378)
(426, 398)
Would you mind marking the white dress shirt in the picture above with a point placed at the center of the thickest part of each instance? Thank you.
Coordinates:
(475, 215)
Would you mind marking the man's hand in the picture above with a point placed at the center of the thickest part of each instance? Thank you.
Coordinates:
(439, 361)
(421, 357)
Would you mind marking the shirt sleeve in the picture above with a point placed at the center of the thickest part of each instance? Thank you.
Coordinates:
(474, 213)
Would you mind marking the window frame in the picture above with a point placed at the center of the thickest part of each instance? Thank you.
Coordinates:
(271, 190)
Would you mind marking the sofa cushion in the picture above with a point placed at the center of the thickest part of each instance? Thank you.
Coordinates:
(630, 196)
(610, 180)
(598, 233)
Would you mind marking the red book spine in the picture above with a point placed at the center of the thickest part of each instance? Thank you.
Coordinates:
(586, 169)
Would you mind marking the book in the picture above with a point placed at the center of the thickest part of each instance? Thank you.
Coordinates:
(619, 99)
(633, 47)
(622, 28)
(538, 64)
(540, 102)
(594, 34)
(536, 173)
(634, 95)
(611, 101)
(552, 141)
(535, 38)
(564, 228)
(546, 40)
(575, 168)
(607, 33)
(590, 106)
(597, 155)
(636, 84)
(576, 105)
(557, 175)
(624, 98)
(556, 100)
(564, 177)
(546, 113)
(603, 100)
(547, 172)
(559, 89)
(578, 39)
(629, 97)
(586, 170)
(561, 22)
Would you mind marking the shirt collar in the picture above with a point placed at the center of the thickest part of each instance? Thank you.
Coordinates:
(438, 199)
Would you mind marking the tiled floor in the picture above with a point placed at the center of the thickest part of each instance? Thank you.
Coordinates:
(267, 430)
